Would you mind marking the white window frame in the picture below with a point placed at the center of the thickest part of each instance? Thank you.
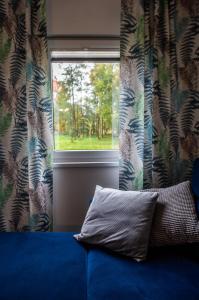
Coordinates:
(85, 158)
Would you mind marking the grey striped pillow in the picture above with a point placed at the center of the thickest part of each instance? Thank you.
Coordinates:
(120, 221)
(175, 219)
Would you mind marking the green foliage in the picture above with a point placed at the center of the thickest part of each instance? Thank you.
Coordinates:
(84, 105)
(68, 100)
(102, 81)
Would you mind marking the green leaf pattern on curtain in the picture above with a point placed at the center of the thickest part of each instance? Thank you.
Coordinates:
(159, 107)
(25, 118)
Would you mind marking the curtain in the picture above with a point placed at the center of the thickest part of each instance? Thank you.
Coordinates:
(159, 106)
(25, 118)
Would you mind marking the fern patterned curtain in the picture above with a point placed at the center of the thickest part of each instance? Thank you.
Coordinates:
(25, 118)
(159, 108)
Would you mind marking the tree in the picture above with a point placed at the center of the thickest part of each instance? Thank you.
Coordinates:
(102, 77)
(62, 109)
(72, 86)
(84, 104)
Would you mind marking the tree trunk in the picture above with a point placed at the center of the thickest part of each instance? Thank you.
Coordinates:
(73, 114)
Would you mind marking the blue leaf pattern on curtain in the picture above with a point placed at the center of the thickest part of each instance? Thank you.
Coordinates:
(25, 118)
(159, 107)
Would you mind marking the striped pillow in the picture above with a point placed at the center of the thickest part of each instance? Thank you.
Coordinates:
(175, 220)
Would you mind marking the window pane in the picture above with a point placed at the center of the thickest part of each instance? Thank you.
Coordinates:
(85, 105)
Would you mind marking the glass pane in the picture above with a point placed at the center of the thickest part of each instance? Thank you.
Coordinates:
(85, 105)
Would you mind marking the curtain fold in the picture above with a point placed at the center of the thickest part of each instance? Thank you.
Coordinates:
(26, 138)
(159, 106)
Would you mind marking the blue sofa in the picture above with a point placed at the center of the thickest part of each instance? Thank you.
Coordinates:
(54, 266)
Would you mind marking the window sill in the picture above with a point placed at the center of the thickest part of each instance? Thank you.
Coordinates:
(86, 158)
(85, 164)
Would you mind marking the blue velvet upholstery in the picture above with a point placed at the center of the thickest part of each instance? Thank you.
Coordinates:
(195, 183)
(54, 266)
(168, 274)
(39, 266)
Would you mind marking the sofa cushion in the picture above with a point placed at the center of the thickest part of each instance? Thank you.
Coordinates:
(175, 220)
(42, 266)
(168, 274)
(195, 183)
(120, 221)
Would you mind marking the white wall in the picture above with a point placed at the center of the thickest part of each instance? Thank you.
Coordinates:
(87, 17)
(74, 186)
(73, 190)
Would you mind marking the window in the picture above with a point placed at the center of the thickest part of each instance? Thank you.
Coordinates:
(85, 94)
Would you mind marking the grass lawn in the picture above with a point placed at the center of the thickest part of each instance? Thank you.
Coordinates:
(63, 142)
